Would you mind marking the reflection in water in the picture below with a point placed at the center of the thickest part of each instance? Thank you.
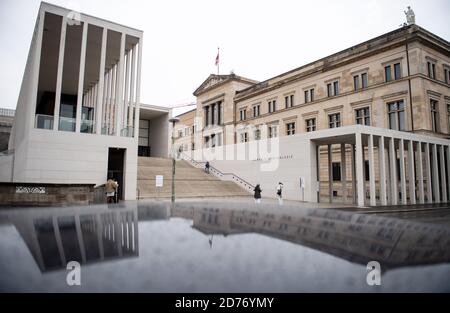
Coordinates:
(356, 237)
(56, 237)
(101, 233)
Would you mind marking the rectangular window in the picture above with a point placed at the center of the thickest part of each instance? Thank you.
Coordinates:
(397, 71)
(334, 120)
(269, 106)
(213, 114)
(256, 110)
(363, 116)
(257, 134)
(243, 114)
(290, 128)
(431, 70)
(289, 101)
(336, 88)
(310, 125)
(396, 115)
(447, 76)
(273, 131)
(274, 105)
(306, 96)
(219, 113)
(448, 117)
(356, 82)
(309, 95)
(244, 137)
(286, 101)
(329, 90)
(364, 80)
(434, 115)
(336, 171)
(387, 73)
(292, 100)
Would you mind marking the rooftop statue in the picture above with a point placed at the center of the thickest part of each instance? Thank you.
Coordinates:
(410, 16)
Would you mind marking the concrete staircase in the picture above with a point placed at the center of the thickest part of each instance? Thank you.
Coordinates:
(190, 182)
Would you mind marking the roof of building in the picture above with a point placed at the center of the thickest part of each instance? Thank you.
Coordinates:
(388, 40)
(214, 81)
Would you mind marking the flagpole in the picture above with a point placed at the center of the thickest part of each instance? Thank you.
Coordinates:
(218, 51)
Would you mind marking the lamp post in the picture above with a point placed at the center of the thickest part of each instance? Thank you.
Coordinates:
(173, 121)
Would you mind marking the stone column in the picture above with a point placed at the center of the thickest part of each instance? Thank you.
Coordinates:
(428, 170)
(343, 173)
(402, 171)
(101, 85)
(372, 186)
(436, 191)
(81, 78)
(382, 164)
(393, 165)
(411, 173)
(420, 173)
(330, 173)
(119, 91)
(444, 175)
(59, 74)
(360, 169)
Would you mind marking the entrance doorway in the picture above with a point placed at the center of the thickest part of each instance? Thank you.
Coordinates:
(116, 158)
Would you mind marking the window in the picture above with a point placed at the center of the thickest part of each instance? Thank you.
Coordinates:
(447, 75)
(256, 110)
(333, 89)
(310, 125)
(273, 131)
(396, 115)
(206, 142)
(363, 116)
(213, 114)
(448, 116)
(289, 101)
(334, 120)
(180, 133)
(192, 146)
(290, 128)
(387, 73)
(431, 69)
(193, 129)
(336, 171)
(272, 106)
(367, 172)
(244, 137)
(309, 95)
(434, 115)
(257, 134)
(243, 114)
(397, 71)
(360, 81)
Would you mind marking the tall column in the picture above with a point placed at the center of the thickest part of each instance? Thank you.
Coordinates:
(138, 91)
(132, 87)
(420, 173)
(382, 165)
(428, 170)
(353, 164)
(112, 102)
(101, 85)
(330, 173)
(394, 179)
(343, 173)
(80, 238)
(127, 85)
(411, 174)
(360, 169)
(444, 175)
(119, 91)
(436, 191)
(59, 74)
(81, 78)
(373, 199)
(402, 171)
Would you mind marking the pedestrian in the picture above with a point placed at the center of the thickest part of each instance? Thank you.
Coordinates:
(207, 167)
(110, 189)
(257, 194)
(280, 193)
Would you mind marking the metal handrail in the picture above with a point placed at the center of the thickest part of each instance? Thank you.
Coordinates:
(218, 172)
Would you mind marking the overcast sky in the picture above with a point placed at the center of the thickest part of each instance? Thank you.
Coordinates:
(257, 39)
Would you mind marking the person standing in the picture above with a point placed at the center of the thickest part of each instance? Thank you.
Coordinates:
(207, 167)
(257, 194)
(280, 193)
(110, 189)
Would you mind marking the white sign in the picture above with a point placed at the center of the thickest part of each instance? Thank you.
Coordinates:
(159, 180)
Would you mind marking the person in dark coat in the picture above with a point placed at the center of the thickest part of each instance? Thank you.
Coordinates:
(207, 167)
(257, 194)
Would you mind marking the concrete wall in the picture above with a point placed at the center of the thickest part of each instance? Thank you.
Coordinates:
(159, 136)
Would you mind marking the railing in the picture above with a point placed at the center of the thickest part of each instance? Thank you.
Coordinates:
(67, 124)
(127, 131)
(240, 181)
(7, 112)
(43, 121)
(87, 126)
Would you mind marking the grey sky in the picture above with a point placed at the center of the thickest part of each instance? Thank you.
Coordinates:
(257, 39)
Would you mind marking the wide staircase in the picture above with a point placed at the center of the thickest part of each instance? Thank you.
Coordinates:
(190, 181)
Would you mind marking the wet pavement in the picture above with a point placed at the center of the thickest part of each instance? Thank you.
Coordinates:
(224, 246)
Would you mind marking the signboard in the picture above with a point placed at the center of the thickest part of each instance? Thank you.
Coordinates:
(159, 179)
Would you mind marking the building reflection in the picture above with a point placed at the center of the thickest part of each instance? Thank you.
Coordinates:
(55, 238)
(356, 237)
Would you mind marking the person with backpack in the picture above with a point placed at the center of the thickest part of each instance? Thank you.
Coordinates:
(280, 193)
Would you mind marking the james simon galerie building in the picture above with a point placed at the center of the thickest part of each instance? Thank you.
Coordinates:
(369, 125)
